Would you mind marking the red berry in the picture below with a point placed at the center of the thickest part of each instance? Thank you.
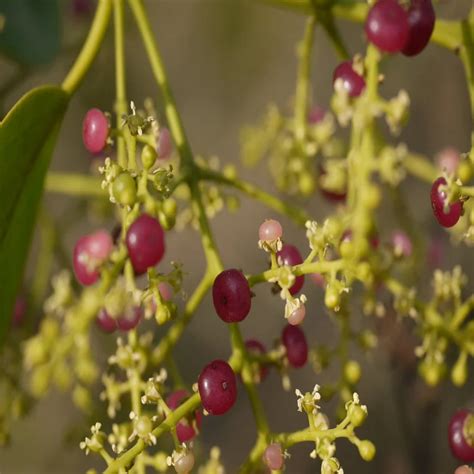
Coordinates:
(387, 26)
(105, 322)
(130, 319)
(290, 255)
(273, 456)
(421, 21)
(294, 340)
(217, 387)
(184, 429)
(95, 130)
(461, 442)
(231, 296)
(90, 252)
(352, 82)
(145, 243)
(256, 347)
(438, 199)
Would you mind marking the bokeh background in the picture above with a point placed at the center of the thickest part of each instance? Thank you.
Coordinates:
(227, 59)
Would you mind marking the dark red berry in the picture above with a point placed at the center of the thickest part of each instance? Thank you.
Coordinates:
(185, 427)
(130, 319)
(95, 130)
(460, 441)
(105, 322)
(217, 387)
(290, 255)
(352, 82)
(145, 243)
(256, 347)
(294, 340)
(387, 27)
(450, 216)
(231, 296)
(421, 21)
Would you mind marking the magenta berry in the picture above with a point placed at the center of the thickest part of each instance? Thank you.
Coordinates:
(105, 322)
(449, 216)
(352, 82)
(165, 144)
(256, 347)
(316, 114)
(95, 130)
(421, 21)
(460, 441)
(273, 456)
(401, 243)
(231, 296)
(297, 316)
(184, 429)
(166, 291)
(90, 252)
(294, 340)
(270, 230)
(130, 319)
(290, 255)
(145, 243)
(217, 387)
(387, 26)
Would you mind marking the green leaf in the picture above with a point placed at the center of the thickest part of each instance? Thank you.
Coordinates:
(27, 137)
(31, 34)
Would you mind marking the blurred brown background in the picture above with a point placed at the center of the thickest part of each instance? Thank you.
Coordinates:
(227, 59)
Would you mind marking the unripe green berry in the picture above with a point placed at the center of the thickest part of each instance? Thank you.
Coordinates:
(459, 371)
(352, 372)
(40, 380)
(169, 207)
(162, 314)
(50, 330)
(143, 426)
(431, 372)
(81, 398)
(62, 376)
(372, 197)
(148, 156)
(346, 248)
(332, 297)
(357, 415)
(366, 450)
(124, 189)
(465, 171)
(86, 371)
(306, 184)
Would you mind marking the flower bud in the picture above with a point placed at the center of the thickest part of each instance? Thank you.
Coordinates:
(366, 450)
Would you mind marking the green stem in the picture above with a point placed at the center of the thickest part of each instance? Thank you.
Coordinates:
(421, 167)
(73, 184)
(91, 47)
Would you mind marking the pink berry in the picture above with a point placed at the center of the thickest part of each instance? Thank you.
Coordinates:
(463, 470)
(145, 243)
(450, 216)
(254, 346)
(294, 340)
(90, 252)
(318, 279)
(165, 144)
(130, 319)
(105, 322)
(231, 296)
(19, 311)
(273, 456)
(217, 387)
(460, 441)
(166, 291)
(448, 160)
(316, 114)
(421, 21)
(184, 429)
(352, 82)
(270, 230)
(290, 255)
(387, 26)
(297, 316)
(95, 130)
(402, 245)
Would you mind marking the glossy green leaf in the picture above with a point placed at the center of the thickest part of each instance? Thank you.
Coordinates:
(27, 137)
(31, 34)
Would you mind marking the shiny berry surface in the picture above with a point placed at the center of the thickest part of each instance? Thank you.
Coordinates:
(297, 316)
(89, 253)
(217, 387)
(273, 456)
(352, 82)
(185, 463)
(231, 296)
(130, 319)
(256, 347)
(421, 21)
(270, 230)
(461, 447)
(184, 429)
(290, 255)
(294, 340)
(105, 322)
(145, 241)
(95, 130)
(446, 217)
(387, 27)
